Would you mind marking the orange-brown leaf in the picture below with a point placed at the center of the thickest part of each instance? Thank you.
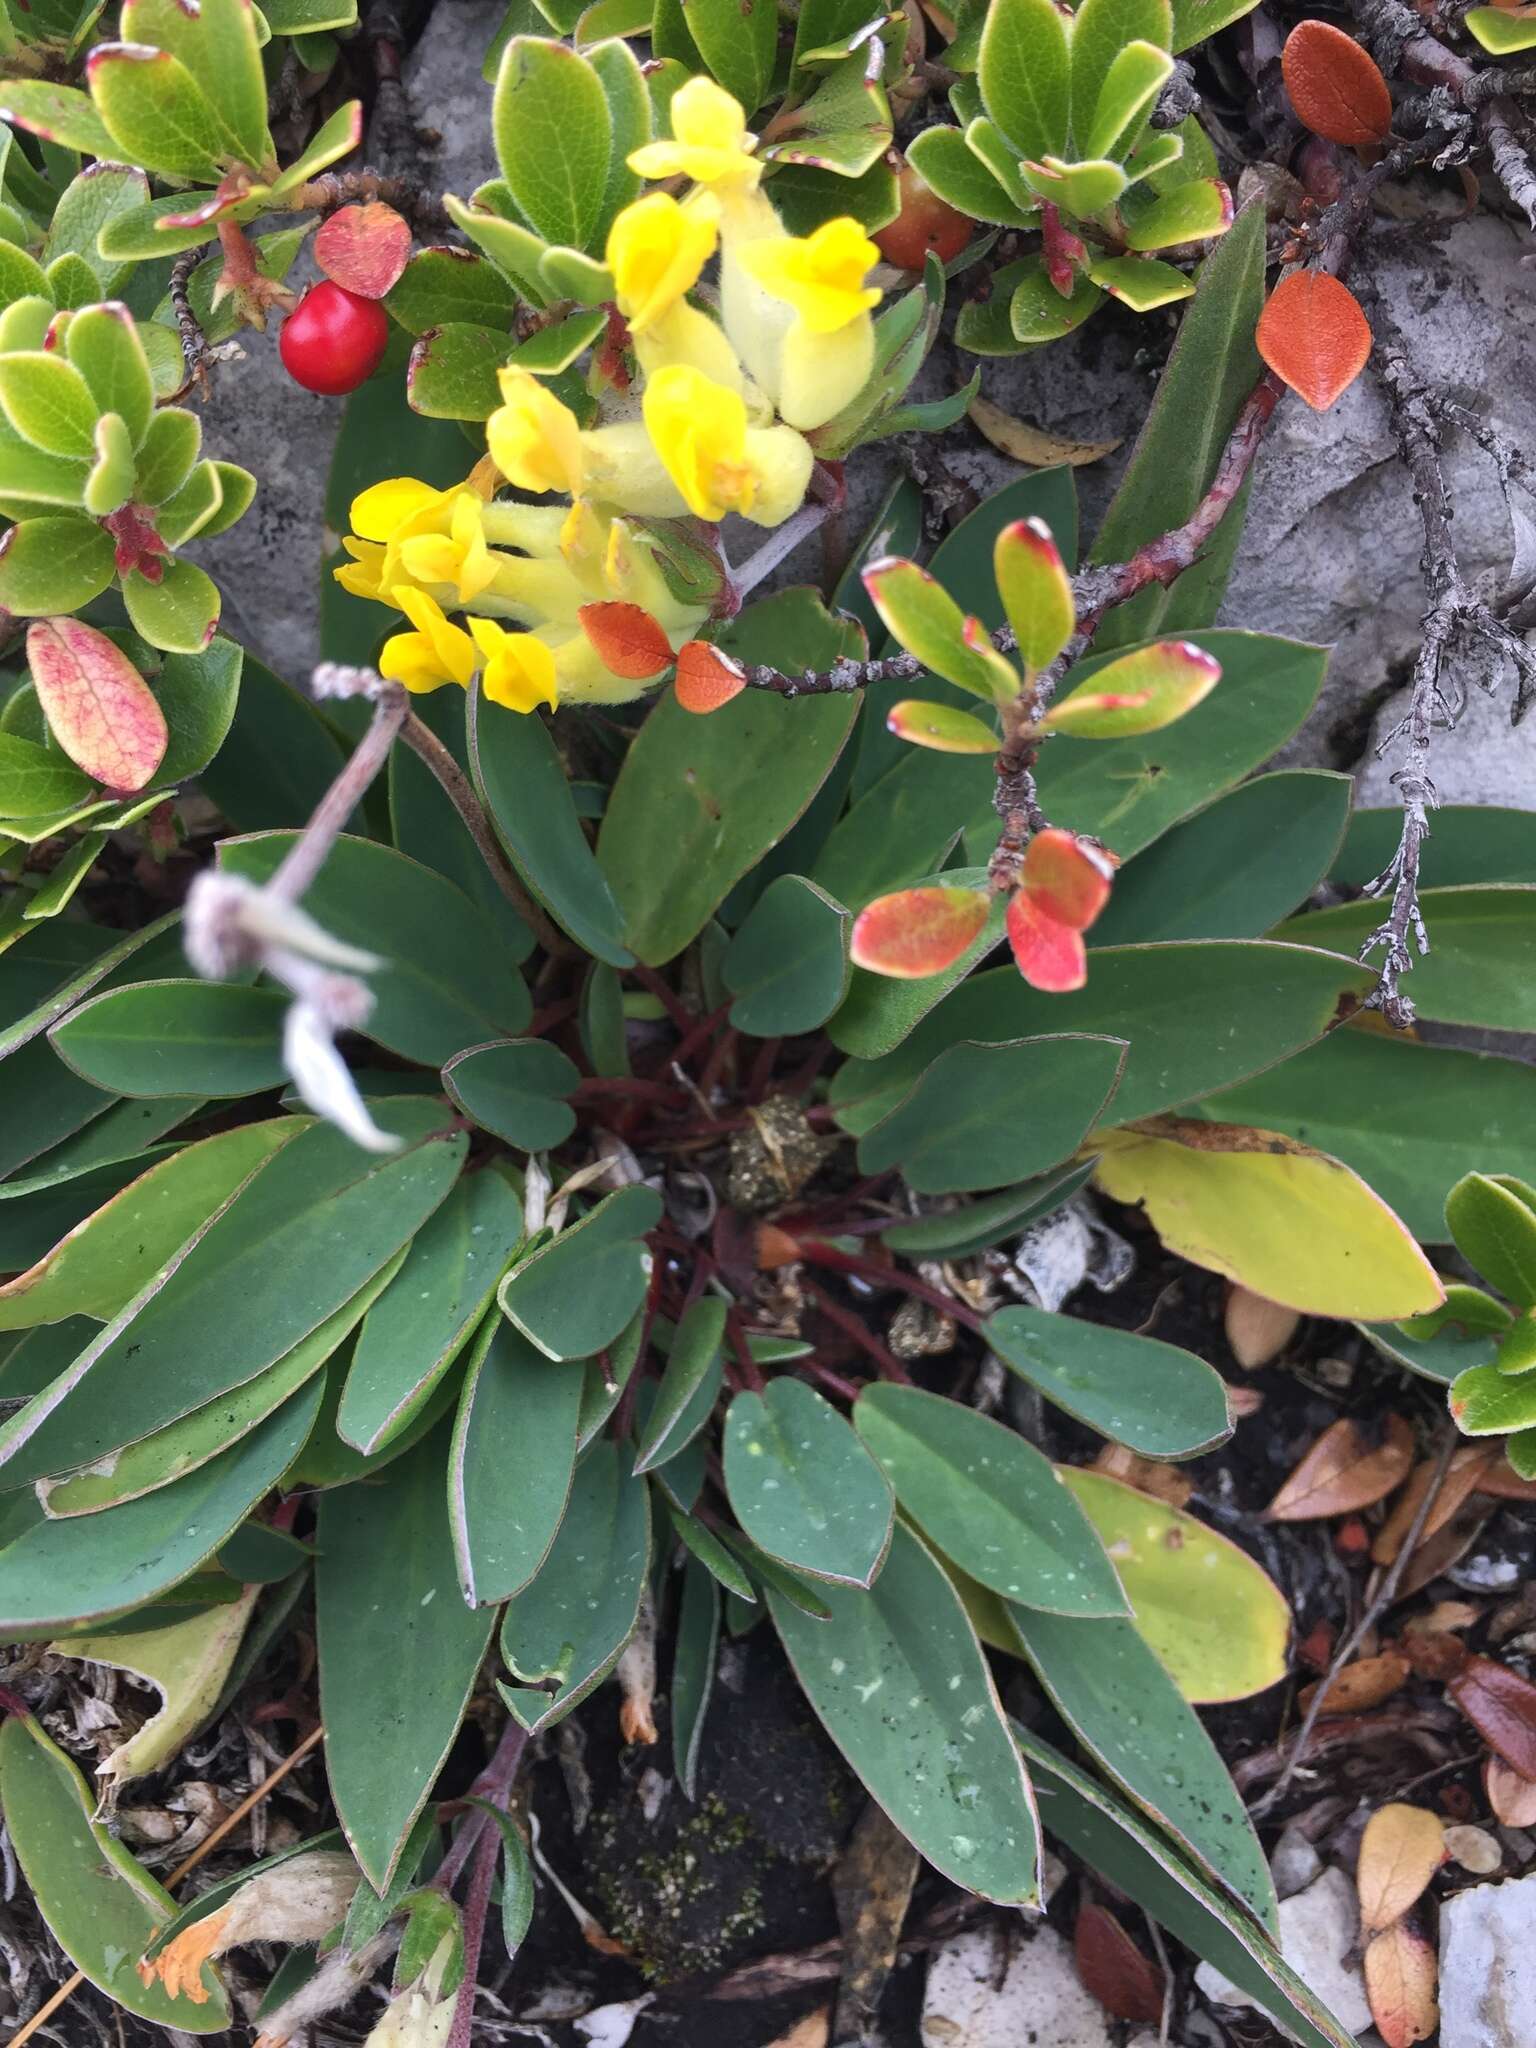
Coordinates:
(917, 932)
(364, 248)
(98, 707)
(1402, 1975)
(1501, 1705)
(1463, 1476)
(1511, 1796)
(1123, 1980)
(1257, 1328)
(706, 678)
(1400, 1851)
(1314, 336)
(1336, 87)
(1502, 1482)
(1360, 1686)
(627, 639)
(1342, 1472)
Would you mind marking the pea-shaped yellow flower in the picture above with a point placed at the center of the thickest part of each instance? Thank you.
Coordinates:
(798, 309)
(718, 463)
(534, 440)
(516, 669)
(436, 653)
(458, 557)
(656, 250)
(710, 142)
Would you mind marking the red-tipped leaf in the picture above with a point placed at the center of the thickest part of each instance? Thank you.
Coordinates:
(98, 707)
(942, 727)
(364, 248)
(1050, 955)
(1036, 590)
(1314, 336)
(1067, 879)
(628, 640)
(706, 678)
(917, 932)
(1336, 87)
(1140, 693)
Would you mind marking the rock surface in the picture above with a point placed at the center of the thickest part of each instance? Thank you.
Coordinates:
(1488, 1967)
(999, 1986)
(1317, 1936)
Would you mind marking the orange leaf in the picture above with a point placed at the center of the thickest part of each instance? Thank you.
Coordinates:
(628, 640)
(1512, 1797)
(1068, 879)
(1050, 955)
(1400, 1851)
(1314, 336)
(1501, 1705)
(364, 248)
(1335, 86)
(1401, 1976)
(1463, 1476)
(1342, 1472)
(99, 708)
(706, 678)
(1123, 1980)
(1360, 1686)
(917, 932)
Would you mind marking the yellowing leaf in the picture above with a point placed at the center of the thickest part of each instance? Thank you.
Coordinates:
(917, 931)
(1036, 590)
(1400, 1851)
(1272, 1214)
(944, 728)
(1140, 693)
(1401, 1977)
(99, 708)
(1217, 1620)
(1032, 445)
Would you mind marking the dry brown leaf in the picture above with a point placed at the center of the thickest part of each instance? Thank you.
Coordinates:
(1361, 1685)
(1443, 1619)
(813, 2031)
(1163, 1482)
(1257, 1328)
(1474, 1849)
(1114, 1970)
(1400, 1851)
(1503, 1482)
(1024, 443)
(1463, 1476)
(1401, 1977)
(1501, 1705)
(1343, 1472)
(1511, 1796)
(1434, 1558)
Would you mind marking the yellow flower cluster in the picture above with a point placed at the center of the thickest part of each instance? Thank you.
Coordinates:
(714, 424)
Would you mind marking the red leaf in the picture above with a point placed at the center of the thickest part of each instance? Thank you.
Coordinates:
(1049, 954)
(627, 639)
(1314, 336)
(706, 678)
(364, 248)
(1401, 1976)
(1501, 1705)
(1068, 879)
(98, 707)
(1335, 86)
(917, 931)
(1123, 1980)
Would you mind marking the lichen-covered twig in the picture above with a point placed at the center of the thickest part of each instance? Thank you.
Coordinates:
(195, 352)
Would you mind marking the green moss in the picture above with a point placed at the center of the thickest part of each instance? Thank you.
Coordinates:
(686, 1909)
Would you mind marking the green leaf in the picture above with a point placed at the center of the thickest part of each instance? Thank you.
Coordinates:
(310, 1227)
(179, 613)
(103, 345)
(574, 1295)
(443, 286)
(1038, 313)
(844, 127)
(156, 114)
(989, 1500)
(1141, 283)
(512, 1394)
(1102, 33)
(516, 1088)
(686, 1395)
(1122, 1705)
(1223, 872)
(100, 1904)
(1081, 189)
(1501, 31)
(1024, 69)
(629, 109)
(1136, 74)
(553, 135)
(1156, 1399)
(53, 565)
(511, 246)
(100, 1266)
(1213, 367)
(1482, 950)
(692, 810)
(453, 368)
(915, 607)
(55, 113)
(110, 483)
(446, 983)
(169, 449)
(49, 403)
(164, 1037)
(969, 1227)
(521, 780)
(222, 52)
(1472, 1112)
(1488, 1401)
(572, 1622)
(935, 1753)
(21, 276)
(983, 1115)
(428, 1314)
(59, 1573)
(1473, 843)
(1465, 1331)
(693, 1662)
(738, 40)
(941, 727)
(36, 780)
(945, 161)
(36, 478)
(1191, 212)
(1495, 1231)
(803, 1487)
(1271, 1001)
(197, 695)
(605, 1377)
(399, 1651)
(279, 757)
(787, 965)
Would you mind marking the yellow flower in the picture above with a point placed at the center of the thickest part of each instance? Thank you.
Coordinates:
(516, 669)
(458, 557)
(718, 463)
(389, 516)
(436, 653)
(656, 250)
(534, 440)
(711, 143)
(363, 576)
(821, 275)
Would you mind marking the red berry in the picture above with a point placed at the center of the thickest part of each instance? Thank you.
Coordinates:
(925, 223)
(333, 340)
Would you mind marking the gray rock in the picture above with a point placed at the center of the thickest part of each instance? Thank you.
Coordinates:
(1488, 1967)
(997, 1986)
(1317, 1938)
